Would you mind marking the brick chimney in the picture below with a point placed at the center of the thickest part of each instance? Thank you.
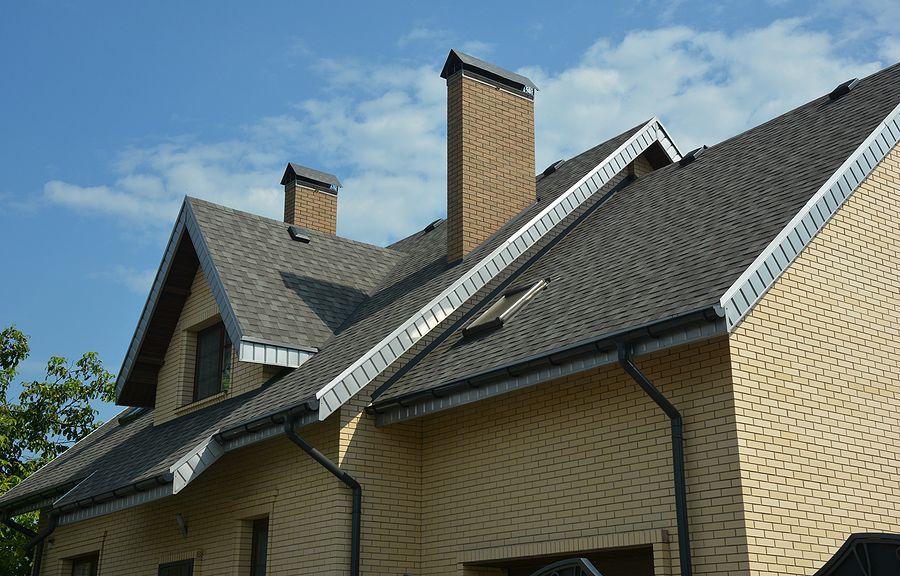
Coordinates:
(310, 198)
(490, 150)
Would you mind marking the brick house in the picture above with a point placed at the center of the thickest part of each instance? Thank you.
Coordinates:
(665, 362)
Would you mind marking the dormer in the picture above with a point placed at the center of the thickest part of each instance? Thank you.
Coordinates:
(237, 299)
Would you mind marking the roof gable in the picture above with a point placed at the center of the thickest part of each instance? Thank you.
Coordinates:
(280, 300)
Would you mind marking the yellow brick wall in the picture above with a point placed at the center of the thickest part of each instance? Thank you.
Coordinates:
(490, 161)
(817, 384)
(308, 512)
(175, 383)
(310, 208)
(588, 455)
(387, 463)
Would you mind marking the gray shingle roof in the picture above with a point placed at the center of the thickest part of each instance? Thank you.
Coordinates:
(286, 291)
(674, 240)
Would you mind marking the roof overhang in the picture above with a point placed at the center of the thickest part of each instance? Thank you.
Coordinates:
(761, 275)
(185, 251)
(683, 329)
(180, 474)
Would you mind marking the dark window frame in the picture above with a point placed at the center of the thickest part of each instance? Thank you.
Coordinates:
(503, 308)
(93, 558)
(259, 525)
(224, 346)
(189, 564)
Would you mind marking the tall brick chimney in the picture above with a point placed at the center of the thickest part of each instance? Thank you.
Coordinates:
(490, 150)
(310, 198)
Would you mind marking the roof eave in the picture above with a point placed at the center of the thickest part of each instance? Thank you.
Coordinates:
(686, 328)
(186, 469)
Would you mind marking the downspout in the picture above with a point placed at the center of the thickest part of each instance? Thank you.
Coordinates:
(343, 477)
(684, 540)
(35, 539)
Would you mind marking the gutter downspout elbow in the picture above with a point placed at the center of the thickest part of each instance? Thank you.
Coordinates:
(35, 540)
(341, 475)
(684, 541)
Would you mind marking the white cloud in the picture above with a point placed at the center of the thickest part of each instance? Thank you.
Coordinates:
(889, 49)
(477, 48)
(153, 181)
(387, 141)
(136, 280)
(424, 34)
(705, 86)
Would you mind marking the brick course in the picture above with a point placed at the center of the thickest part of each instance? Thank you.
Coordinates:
(490, 161)
(175, 384)
(817, 383)
(310, 208)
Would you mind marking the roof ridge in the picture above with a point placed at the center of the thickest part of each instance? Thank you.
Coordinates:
(803, 105)
(376, 359)
(274, 222)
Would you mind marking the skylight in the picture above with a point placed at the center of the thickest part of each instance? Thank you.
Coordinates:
(501, 310)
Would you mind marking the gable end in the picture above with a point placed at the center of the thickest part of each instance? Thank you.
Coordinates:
(756, 280)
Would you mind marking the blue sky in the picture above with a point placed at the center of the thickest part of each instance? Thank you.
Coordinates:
(110, 112)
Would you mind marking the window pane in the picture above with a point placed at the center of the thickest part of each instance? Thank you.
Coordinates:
(183, 568)
(260, 544)
(226, 363)
(85, 566)
(209, 351)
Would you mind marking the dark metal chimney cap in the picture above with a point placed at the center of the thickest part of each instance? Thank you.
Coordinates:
(317, 178)
(457, 61)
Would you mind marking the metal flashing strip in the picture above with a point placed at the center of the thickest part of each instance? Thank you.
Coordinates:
(475, 77)
(468, 395)
(756, 280)
(272, 354)
(372, 363)
(150, 305)
(194, 463)
(136, 499)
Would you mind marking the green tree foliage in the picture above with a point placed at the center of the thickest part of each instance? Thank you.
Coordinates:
(48, 416)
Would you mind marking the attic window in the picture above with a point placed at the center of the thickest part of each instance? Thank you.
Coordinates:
(212, 371)
(501, 310)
